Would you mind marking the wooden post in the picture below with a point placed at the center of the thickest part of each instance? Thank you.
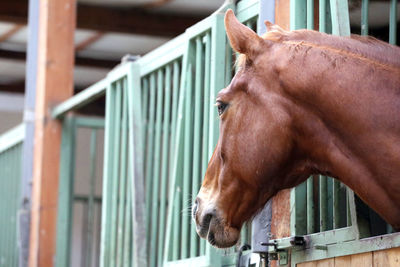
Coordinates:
(54, 84)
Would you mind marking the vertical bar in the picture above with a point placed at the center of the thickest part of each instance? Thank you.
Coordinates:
(136, 174)
(194, 246)
(123, 174)
(364, 17)
(107, 176)
(115, 174)
(65, 197)
(298, 14)
(128, 222)
(298, 220)
(322, 15)
(336, 204)
(177, 165)
(84, 229)
(188, 141)
(323, 199)
(310, 14)
(174, 252)
(206, 115)
(90, 225)
(310, 205)
(393, 22)
(340, 17)
(164, 167)
(348, 214)
(145, 93)
(150, 151)
(156, 172)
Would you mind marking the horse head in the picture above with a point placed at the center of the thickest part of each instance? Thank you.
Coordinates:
(255, 154)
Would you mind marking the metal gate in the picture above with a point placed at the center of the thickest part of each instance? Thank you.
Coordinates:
(10, 176)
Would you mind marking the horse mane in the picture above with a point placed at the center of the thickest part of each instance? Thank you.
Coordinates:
(365, 47)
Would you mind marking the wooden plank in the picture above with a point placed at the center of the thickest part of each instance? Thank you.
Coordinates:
(111, 19)
(344, 261)
(363, 259)
(326, 263)
(54, 84)
(389, 258)
(307, 264)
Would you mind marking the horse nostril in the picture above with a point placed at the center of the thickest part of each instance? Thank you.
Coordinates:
(194, 210)
(205, 225)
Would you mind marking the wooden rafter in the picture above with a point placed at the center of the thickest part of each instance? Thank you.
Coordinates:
(79, 60)
(111, 19)
(7, 35)
(90, 40)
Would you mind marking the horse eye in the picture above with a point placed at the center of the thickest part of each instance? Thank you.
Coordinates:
(221, 107)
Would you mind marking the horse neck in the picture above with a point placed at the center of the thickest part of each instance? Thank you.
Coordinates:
(346, 121)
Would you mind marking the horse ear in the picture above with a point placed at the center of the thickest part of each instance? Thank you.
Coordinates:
(242, 39)
(273, 27)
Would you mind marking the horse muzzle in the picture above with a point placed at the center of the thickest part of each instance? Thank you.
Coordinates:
(210, 226)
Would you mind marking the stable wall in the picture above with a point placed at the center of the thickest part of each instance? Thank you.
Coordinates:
(386, 258)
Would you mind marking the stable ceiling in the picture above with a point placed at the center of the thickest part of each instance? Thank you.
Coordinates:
(109, 29)
(106, 31)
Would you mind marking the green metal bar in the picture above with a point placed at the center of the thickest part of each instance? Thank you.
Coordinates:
(188, 141)
(310, 205)
(115, 175)
(136, 174)
(177, 167)
(298, 220)
(322, 15)
(393, 22)
(165, 162)
(176, 201)
(128, 223)
(65, 195)
(89, 122)
(123, 172)
(90, 223)
(81, 99)
(145, 95)
(194, 240)
(340, 17)
(310, 14)
(83, 230)
(206, 116)
(323, 205)
(12, 137)
(107, 177)
(149, 156)
(336, 204)
(364, 17)
(156, 162)
(298, 14)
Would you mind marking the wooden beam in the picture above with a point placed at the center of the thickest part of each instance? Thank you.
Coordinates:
(79, 60)
(54, 84)
(7, 35)
(130, 20)
(92, 39)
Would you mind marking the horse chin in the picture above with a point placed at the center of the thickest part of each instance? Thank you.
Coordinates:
(222, 236)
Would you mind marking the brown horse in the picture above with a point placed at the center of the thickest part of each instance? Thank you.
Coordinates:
(302, 103)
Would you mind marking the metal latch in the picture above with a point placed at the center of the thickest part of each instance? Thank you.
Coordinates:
(279, 249)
